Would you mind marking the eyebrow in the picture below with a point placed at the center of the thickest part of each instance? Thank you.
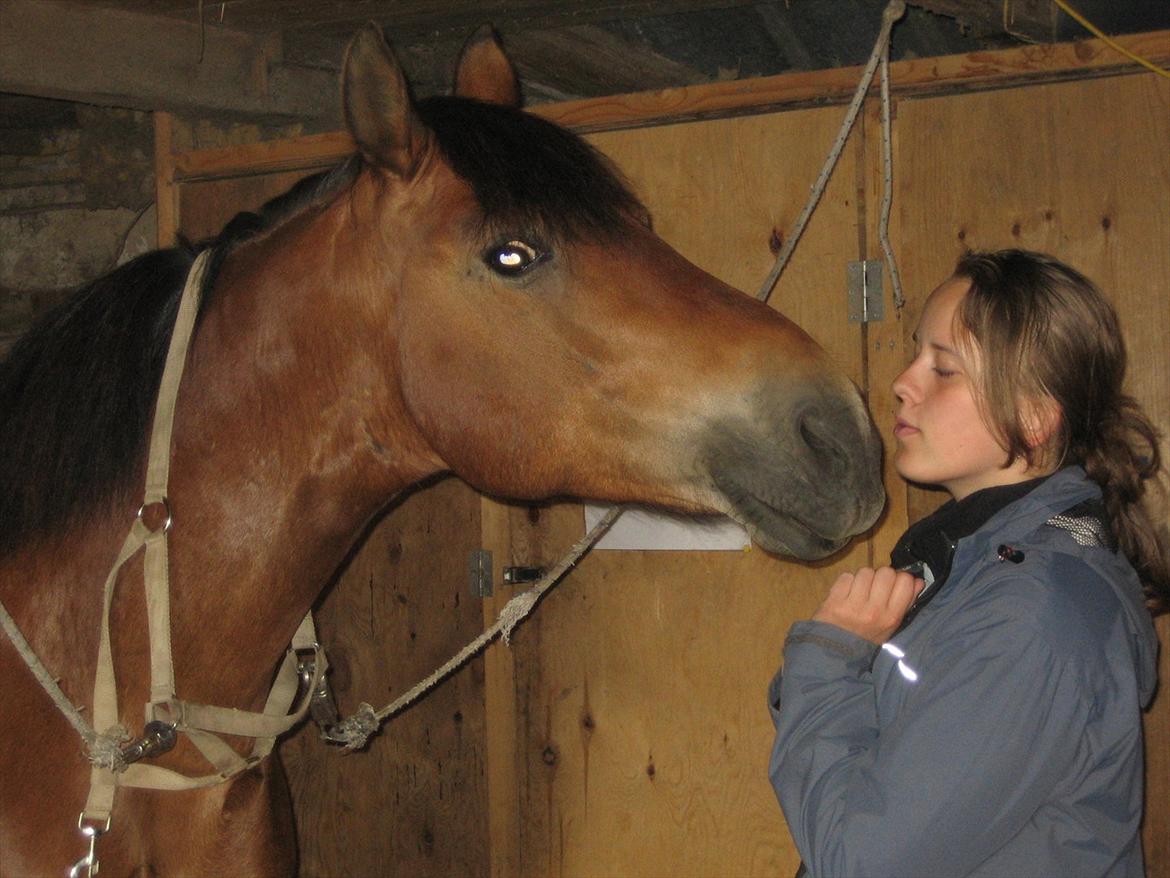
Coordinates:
(934, 345)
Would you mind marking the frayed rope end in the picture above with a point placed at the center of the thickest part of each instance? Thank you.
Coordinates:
(354, 731)
(105, 750)
(515, 611)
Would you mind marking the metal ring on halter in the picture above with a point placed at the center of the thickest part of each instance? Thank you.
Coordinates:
(91, 826)
(166, 524)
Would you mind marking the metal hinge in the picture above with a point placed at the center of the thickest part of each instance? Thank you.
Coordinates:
(865, 291)
(479, 573)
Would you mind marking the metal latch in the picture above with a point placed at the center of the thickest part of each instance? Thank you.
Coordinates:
(865, 291)
(479, 573)
(518, 575)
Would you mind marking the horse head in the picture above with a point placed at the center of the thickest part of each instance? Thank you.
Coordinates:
(549, 343)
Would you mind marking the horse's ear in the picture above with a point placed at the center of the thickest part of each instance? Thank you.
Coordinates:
(379, 110)
(484, 72)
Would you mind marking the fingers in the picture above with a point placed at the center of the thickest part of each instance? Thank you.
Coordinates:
(870, 603)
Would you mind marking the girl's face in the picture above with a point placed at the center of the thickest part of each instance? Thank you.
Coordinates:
(941, 437)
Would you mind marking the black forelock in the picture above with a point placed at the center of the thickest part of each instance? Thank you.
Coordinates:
(527, 172)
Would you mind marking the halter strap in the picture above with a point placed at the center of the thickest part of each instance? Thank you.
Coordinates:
(201, 723)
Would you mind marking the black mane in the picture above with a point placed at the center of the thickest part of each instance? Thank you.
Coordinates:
(528, 173)
(77, 391)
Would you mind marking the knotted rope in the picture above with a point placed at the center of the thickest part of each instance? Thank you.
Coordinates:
(354, 731)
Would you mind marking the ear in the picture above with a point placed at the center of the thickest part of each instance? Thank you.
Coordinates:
(379, 111)
(1041, 420)
(484, 72)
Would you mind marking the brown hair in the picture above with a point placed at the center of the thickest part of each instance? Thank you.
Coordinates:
(1044, 331)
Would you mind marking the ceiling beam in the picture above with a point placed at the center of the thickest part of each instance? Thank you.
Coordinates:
(108, 57)
(1032, 20)
(588, 61)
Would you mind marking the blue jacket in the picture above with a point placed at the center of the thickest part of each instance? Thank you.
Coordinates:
(999, 734)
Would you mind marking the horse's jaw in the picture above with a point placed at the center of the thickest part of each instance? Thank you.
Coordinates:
(804, 500)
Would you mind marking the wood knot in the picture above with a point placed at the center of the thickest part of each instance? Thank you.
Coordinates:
(776, 241)
(549, 756)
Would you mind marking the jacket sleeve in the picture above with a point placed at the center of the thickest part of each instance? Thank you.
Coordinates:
(984, 734)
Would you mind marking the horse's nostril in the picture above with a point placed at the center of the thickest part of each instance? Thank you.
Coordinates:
(826, 449)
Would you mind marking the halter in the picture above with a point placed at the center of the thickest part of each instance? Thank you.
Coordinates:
(114, 756)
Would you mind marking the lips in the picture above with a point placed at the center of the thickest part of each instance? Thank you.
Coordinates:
(902, 429)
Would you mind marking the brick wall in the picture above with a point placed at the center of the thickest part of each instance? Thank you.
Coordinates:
(76, 190)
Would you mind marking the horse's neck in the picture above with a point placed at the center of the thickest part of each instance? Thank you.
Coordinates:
(286, 443)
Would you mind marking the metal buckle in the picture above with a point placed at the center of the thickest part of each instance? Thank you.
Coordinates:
(322, 707)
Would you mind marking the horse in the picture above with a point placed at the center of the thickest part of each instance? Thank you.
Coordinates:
(471, 266)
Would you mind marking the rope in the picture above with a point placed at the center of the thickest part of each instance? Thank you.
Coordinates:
(104, 750)
(894, 11)
(47, 681)
(353, 731)
(888, 187)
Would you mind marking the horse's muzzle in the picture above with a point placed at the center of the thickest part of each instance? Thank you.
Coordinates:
(804, 484)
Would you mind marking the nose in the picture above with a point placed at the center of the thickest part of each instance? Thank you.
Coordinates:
(903, 385)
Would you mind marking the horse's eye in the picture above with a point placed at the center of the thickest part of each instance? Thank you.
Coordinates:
(513, 258)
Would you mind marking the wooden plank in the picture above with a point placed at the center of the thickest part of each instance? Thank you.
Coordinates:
(166, 191)
(1080, 170)
(413, 803)
(919, 76)
(976, 70)
(431, 17)
(207, 205)
(884, 345)
(502, 744)
(307, 152)
(641, 682)
(108, 57)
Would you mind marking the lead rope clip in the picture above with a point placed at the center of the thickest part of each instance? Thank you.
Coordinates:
(87, 866)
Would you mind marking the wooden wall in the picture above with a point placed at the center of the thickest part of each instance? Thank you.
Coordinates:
(625, 731)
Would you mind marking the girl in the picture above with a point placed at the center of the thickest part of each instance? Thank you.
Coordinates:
(978, 711)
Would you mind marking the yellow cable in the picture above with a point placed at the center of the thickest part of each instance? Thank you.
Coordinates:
(1096, 31)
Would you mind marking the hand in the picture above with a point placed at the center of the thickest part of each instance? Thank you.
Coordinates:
(870, 603)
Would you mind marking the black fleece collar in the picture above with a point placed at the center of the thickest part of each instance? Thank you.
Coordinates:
(928, 547)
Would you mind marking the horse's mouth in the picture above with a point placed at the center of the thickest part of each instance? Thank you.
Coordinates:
(778, 532)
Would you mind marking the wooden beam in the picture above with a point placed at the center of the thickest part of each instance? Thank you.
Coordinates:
(968, 72)
(417, 19)
(1031, 20)
(973, 71)
(587, 61)
(68, 51)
